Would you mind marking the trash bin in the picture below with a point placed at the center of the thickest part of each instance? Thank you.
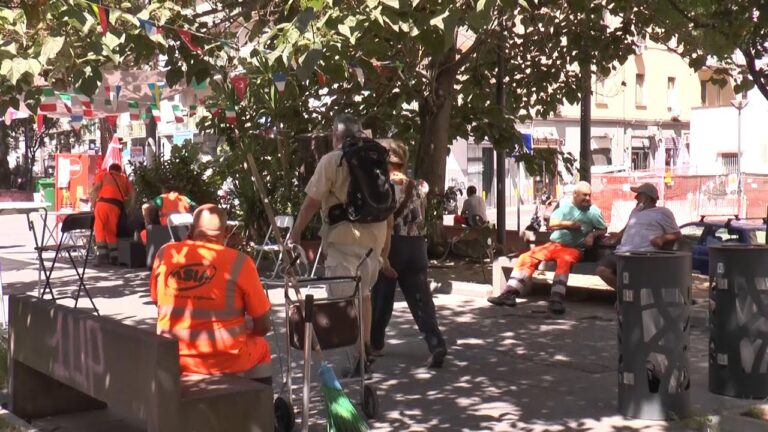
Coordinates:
(738, 320)
(654, 292)
(45, 185)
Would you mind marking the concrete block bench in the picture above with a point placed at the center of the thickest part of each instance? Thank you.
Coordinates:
(64, 360)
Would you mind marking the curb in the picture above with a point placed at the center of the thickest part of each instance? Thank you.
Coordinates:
(738, 422)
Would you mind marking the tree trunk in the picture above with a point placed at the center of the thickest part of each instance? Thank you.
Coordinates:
(434, 138)
(5, 169)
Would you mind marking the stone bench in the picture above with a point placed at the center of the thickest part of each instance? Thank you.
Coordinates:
(64, 361)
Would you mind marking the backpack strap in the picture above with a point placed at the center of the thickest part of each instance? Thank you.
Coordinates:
(409, 187)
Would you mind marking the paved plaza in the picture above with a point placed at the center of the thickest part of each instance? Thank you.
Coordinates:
(508, 369)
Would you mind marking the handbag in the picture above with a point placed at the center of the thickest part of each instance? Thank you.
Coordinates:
(335, 324)
(123, 227)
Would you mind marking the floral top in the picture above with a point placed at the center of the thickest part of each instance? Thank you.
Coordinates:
(411, 221)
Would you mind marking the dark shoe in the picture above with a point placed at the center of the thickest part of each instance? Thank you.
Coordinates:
(556, 305)
(507, 298)
(437, 358)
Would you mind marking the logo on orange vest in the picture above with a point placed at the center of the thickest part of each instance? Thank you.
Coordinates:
(191, 276)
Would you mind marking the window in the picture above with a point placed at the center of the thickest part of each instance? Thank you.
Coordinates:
(703, 92)
(724, 235)
(641, 159)
(601, 156)
(692, 233)
(671, 93)
(600, 91)
(730, 162)
(640, 90)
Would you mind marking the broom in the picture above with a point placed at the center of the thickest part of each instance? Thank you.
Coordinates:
(342, 413)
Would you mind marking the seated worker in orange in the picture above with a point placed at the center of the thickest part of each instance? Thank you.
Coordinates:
(112, 192)
(166, 204)
(205, 292)
(575, 226)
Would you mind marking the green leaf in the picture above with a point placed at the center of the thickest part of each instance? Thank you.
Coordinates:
(303, 19)
(111, 41)
(344, 29)
(51, 47)
(14, 69)
(392, 3)
(308, 62)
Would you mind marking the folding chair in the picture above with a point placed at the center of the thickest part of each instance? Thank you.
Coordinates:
(72, 223)
(284, 222)
(179, 225)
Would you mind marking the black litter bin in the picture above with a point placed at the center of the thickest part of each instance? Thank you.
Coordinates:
(654, 292)
(738, 320)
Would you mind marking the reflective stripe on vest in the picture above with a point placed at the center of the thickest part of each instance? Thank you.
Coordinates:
(228, 312)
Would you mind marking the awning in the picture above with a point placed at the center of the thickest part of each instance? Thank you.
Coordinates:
(641, 143)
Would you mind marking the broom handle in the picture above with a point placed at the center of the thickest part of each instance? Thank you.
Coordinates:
(290, 275)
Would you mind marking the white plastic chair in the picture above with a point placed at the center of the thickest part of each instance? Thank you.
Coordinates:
(179, 225)
(284, 222)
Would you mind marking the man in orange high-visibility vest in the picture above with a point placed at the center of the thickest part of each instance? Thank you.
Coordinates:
(112, 192)
(166, 204)
(204, 291)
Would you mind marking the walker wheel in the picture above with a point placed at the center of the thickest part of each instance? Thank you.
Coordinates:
(285, 417)
(370, 402)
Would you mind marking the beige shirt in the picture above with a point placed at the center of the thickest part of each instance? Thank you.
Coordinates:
(329, 185)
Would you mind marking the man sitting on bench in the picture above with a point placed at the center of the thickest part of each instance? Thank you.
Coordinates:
(649, 228)
(203, 291)
(575, 226)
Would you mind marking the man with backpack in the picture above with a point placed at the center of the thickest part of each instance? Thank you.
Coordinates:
(351, 188)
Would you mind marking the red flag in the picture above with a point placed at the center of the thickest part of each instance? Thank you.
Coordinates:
(112, 120)
(187, 37)
(103, 14)
(39, 122)
(320, 78)
(240, 84)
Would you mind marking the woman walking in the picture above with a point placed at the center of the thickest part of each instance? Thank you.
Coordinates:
(408, 259)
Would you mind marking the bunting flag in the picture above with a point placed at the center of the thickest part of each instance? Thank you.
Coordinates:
(67, 99)
(133, 109)
(108, 92)
(155, 112)
(150, 29)
(144, 117)
(39, 122)
(177, 114)
(75, 121)
(240, 84)
(231, 115)
(320, 78)
(103, 14)
(111, 120)
(199, 86)
(87, 105)
(48, 104)
(118, 88)
(156, 89)
(358, 71)
(186, 36)
(192, 111)
(279, 78)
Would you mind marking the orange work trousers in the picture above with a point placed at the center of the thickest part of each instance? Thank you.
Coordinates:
(564, 256)
(105, 225)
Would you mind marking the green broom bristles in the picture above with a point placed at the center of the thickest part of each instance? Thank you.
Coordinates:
(342, 413)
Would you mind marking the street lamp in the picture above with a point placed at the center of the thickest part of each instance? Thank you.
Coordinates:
(739, 104)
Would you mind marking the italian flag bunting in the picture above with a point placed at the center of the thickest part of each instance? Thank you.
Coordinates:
(67, 99)
(231, 115)
(178, 116)
(144, 117)
(155, 112)
(133, 109)
(186, 36)
(112, 120)
(48, 104)
(192, 111)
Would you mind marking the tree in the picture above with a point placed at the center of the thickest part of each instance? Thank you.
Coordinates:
(733, 33)
(429, 65)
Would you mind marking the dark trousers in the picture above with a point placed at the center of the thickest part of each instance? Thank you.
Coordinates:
(408, 256)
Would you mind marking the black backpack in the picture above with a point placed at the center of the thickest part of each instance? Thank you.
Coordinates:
(371, 195)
